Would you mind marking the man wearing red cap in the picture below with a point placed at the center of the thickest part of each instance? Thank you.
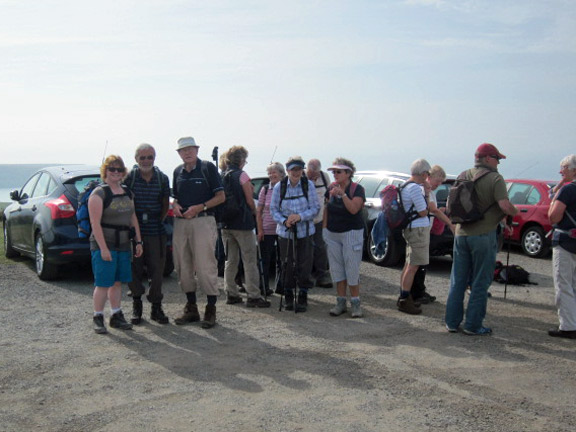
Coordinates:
(476, 245)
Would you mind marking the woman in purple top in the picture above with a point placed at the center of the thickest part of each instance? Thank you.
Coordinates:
(267, 225)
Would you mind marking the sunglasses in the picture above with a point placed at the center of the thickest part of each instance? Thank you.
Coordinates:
(338, 171)
(495, 157)
(114, 169)
(142, 158)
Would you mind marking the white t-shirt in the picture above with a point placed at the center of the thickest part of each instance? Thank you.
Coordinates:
(413, 194)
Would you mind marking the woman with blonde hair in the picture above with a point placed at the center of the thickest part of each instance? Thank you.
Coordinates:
(112, 217)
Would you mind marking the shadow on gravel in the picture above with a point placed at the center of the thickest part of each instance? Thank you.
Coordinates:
(237, 360)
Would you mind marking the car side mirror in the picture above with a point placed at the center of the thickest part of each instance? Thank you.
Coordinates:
(15, 195)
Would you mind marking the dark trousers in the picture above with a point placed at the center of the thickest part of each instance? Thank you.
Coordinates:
(418, 286)
(300, 273)
(149, 268)
(268, 252)
(320, 266)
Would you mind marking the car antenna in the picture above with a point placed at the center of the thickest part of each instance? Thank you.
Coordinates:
(272, 158)
(104, 155)
(524, 170)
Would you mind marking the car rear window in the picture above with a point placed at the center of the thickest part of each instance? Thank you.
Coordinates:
(80, 182)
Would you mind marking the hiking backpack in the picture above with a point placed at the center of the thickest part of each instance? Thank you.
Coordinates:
(397, 217)
(82, 213)
(512, 275)
(231, 209)
(462, 203)
(284, 186)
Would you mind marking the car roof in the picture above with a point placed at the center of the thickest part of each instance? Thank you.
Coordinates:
(398, 175)
(548, 183)
(66, 172)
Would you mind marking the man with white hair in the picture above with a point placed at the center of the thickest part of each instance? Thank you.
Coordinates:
(151, 189)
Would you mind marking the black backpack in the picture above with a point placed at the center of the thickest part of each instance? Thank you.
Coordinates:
(462, 204)
(284, 187)
(512, 275)
(231, 209)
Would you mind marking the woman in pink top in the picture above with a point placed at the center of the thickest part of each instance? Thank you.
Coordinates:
(266, 225)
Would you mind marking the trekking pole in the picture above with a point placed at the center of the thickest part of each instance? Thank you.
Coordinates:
(261, 270)
(283, 273)
(295, 264)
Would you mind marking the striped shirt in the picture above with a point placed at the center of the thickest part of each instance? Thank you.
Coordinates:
(148, 197)
(264, 200)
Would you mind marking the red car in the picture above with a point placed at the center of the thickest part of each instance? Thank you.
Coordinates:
(531, 224)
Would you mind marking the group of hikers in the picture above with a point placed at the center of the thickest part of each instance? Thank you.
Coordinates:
(314, 224)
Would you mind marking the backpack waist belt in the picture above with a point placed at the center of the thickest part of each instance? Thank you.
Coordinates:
(117, 229)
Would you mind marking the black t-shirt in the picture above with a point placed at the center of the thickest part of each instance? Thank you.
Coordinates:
(567, 196)
(192, 187)
(339, 218)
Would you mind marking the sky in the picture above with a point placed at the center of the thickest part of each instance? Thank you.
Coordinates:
(379, 82)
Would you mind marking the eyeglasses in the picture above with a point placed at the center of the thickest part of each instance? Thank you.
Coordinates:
(495, 157)
(115, 169)
(142, 158)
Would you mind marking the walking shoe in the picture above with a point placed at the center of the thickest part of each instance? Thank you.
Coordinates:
(407, 305)
(289, 300)
(425, 298)
(451, 330)
(136, 311)
(190, 314)
(324, 282)
(269, 292)
(209, 317)
(234, 299)
(568, 334)
(118, 321)
(157, 314)
(302, 303)
(482, 331)
(356, 310)
(340, 307)
(99, 326)
(258, 302)
(279, 290)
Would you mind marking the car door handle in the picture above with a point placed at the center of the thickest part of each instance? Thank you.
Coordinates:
(524, 211)
(34, 208)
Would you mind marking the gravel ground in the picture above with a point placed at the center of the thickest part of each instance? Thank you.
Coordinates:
(264, 370)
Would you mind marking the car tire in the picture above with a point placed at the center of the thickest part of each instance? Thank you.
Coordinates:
(9, 251)
(44, 270)
(534, 243)
(391, 256)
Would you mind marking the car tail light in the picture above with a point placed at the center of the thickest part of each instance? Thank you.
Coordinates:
(60, 208)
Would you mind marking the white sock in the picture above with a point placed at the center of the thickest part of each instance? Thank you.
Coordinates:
(115, 310)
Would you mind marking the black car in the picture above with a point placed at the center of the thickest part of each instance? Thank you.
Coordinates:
(374, 182)
(41, 222)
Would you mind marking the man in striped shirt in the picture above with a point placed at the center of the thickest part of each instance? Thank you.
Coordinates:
(151, 189)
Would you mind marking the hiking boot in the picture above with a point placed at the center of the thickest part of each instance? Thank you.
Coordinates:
(482, 331)
(356, 310)
(136, 311)
(258, 302)
(269, 292)
(340, 307)
(302, 303)
(118, 321)
(234, 299)
(324, 282)
(289, 300)
(425, 298)
(190, 314)
(157, 314)
(209, 317)
(568, 334)
(99, 326)
(279, 290)
(407, 305)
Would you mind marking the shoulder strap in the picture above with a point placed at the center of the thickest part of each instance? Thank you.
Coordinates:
(323, 175)
(283, 187)
(132, 175)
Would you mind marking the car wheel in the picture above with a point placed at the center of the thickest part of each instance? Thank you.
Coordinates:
(9, 251)
(534, 243)
(44, 270)
(389, 258)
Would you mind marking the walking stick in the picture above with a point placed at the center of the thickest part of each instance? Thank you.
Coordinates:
(283, 273)
(261, 270)
(294, 263)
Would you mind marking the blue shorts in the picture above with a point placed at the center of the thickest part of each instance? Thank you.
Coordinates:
(106, 273)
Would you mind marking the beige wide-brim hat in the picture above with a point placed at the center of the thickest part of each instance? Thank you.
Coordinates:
(186, 142)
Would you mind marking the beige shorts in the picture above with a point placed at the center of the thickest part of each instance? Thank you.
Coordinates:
(417, 245)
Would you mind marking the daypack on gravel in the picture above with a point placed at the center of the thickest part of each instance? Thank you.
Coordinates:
(230, 209)
(462, 203)
(396, 215)
(512, 275)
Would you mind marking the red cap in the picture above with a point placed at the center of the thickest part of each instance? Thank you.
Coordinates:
(488, 149)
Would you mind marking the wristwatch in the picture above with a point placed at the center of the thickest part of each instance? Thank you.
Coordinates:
(205, 207)
(139, 242)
